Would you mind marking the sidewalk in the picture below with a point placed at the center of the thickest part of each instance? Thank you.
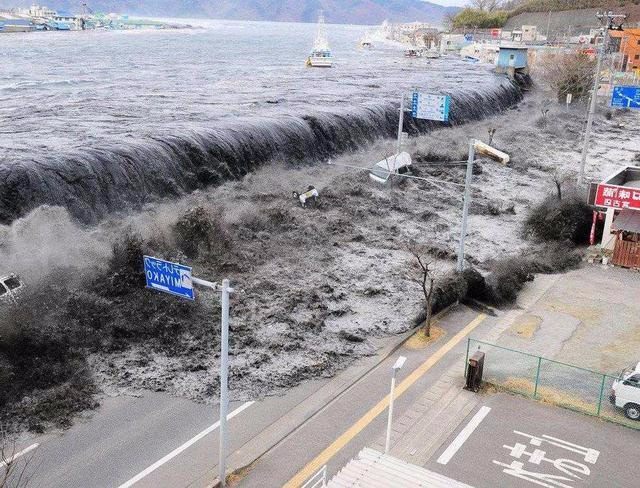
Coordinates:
(424, 428)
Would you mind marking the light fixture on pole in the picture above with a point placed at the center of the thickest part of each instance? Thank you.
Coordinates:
(397, 366)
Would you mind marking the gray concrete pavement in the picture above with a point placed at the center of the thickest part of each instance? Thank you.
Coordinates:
(290, 456)
(517, 430)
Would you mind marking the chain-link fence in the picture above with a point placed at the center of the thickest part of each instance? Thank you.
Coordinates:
(549, 381)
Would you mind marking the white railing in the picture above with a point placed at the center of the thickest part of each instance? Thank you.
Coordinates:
(317, 480)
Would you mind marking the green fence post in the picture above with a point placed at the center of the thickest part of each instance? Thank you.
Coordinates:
(601, 393)
(466, 359)
(535, 390)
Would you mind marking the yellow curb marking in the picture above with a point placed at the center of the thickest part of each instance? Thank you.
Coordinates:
(324, 457)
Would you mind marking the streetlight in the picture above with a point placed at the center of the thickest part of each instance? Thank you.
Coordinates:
(397, 366)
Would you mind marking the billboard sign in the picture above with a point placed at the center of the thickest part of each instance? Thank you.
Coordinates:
(617, 197)
(430, 107)
(168, 277)
(625, 97)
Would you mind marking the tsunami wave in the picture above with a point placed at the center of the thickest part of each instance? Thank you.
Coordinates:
(117, 176)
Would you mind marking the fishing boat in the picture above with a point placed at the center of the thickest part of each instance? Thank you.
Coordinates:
(365, 42)
(320, 56)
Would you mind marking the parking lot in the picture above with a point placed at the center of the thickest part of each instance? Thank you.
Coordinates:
(510, 441)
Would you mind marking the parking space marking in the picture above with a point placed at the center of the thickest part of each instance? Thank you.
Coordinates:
(464, 434)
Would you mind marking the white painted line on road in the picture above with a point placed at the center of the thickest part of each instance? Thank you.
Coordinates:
(184, 446)
(464, 434)
(11, 459)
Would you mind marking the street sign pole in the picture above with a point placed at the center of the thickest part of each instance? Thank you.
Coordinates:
(224, 371)
(176, 279)
(224, 377)
(400, 124)
(467, 201)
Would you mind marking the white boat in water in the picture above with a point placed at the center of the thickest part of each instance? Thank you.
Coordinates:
(321, 56)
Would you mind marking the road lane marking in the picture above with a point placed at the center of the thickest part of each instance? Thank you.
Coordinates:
(324, 457)
(464, 434)
(184, 446)
(11, 459)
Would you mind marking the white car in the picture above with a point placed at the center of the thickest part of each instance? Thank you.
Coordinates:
(625, 392)
(10, 286)
(398, 163)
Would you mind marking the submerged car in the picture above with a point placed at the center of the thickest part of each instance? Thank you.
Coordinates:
(398, 163)
(625, 393)
(10, 286)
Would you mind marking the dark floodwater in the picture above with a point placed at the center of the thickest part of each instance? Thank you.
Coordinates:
(88, 116)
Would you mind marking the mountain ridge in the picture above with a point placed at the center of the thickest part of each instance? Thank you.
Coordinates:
(336, 11)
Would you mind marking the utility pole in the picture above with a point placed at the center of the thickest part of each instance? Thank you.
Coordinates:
(608, 18)
(467, 201)
(548, 26)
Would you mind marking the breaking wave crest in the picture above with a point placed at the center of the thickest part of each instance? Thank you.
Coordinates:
(94, 182)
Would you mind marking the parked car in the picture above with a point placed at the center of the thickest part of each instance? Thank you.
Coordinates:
(625, 393)
(10, 287)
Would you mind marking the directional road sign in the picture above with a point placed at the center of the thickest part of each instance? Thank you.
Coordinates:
(431, 107)
(626, 97)
(168, 277)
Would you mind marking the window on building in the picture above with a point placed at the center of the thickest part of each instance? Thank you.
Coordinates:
(637, 56)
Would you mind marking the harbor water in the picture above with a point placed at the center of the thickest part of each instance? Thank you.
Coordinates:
(102, 121)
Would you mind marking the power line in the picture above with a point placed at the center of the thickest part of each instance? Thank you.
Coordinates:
(433, 181)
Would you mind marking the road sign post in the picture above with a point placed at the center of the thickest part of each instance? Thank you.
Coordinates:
(176, 279)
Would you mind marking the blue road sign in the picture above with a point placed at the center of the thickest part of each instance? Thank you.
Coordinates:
(625, 97)
(430, 107)
(168, 277)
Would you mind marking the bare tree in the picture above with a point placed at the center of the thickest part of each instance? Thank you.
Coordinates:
(13, 467)
(566, 72)
(424, 273)
(486, 5)
(560, 177)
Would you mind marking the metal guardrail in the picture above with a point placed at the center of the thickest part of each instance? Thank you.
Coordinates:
(550, 381)
(317, 480)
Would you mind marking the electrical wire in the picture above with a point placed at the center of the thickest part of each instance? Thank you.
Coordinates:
(432, 181)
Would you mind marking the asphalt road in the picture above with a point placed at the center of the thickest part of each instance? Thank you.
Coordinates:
(521, 443)
(127, 436)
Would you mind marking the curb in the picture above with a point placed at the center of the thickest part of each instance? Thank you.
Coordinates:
(404, 337)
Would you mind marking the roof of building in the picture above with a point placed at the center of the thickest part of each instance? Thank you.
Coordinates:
(372, 469)
(627, 220)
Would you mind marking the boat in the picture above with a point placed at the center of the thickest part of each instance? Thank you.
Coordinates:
(365, 42)
(320, 56)
(431, 54)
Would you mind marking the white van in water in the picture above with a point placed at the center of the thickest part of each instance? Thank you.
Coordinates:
(10, 286)
(398, 163)
(625, 392)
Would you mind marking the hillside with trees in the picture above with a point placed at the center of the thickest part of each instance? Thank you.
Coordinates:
(485, 14)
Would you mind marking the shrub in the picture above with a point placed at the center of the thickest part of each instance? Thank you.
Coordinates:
(558, 220)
